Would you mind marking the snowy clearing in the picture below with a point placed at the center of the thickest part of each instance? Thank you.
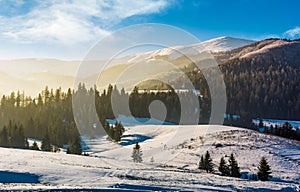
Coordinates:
(175, 151)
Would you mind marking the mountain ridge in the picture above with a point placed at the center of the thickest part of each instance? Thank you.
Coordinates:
(278, 49)
(219, 44)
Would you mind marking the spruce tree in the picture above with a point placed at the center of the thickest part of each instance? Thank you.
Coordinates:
(137, 154)
(119, 130)
(208, 162)
(4, 141)
(75, 146)
(233, 167)
(20, 140)
(26, 143)
(223, 167)
(35, 146)
(260, 124)
(12, 135)
(264, 173)
(152, 160)
(115, 131)
(46, 145)
(201, 163)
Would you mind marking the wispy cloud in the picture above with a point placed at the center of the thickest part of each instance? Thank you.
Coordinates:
(293, 33)
(72, 21)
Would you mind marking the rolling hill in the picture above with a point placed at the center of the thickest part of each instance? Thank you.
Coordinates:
(175, 151)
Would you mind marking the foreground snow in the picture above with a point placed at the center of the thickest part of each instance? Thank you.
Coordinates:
(175, 150)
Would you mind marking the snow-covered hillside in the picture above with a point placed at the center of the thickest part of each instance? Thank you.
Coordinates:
(214, 45)
(175, 151)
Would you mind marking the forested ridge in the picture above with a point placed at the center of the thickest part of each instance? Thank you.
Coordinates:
(265, 84)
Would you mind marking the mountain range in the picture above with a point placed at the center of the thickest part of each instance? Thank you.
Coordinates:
(31, 75)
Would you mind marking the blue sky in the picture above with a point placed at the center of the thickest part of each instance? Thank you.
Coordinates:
(67, 29)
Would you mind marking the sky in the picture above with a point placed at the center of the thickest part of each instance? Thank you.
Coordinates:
(68, 29)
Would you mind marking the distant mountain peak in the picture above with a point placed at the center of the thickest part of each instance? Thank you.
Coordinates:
(225, 43)
(219, 44)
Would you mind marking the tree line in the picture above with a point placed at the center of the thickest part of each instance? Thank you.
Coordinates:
(285, 130)
(49, 118)
(51, 114)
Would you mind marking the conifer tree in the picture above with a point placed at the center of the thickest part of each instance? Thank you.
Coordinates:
(46, 145)
(119, 130)
(26, 143)
(4, 141)
(223, 167)
(264, 173)
(233, 167)
(35, 146)
(75, 146)
(152, 160)
(201, 163)
(20, 140)
(261, 123)
(208, 162)
(115, 131)
(137, 154)
(205, 162)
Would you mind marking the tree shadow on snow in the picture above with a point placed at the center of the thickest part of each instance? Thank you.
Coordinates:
(133, 138)
(12, 177)
(131, 187)
(281, 180)
(288, 189)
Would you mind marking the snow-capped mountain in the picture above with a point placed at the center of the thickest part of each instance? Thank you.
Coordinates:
(215, 45)
(279, 48)
(269, 51)
(225, 43)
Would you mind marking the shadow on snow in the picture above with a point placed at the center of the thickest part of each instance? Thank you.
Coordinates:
(133, 138)
(12, 177)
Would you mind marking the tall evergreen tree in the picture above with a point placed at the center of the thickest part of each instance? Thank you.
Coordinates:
(208, 162)
(20, 140)
(233, 167)
(35, 146)
(201, 163)
(205, 162)
(75, 146)
(137, 154)
(115, 131)
(264, 170)
(4, 141)
(260, 124)
(46, 145)
(223, 167)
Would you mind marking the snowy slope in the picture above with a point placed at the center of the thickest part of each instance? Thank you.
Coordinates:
(176, 151)
(225, 43)
(214, 45)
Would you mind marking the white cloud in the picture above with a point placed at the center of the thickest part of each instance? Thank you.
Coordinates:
(292, 33)
(73, 21)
